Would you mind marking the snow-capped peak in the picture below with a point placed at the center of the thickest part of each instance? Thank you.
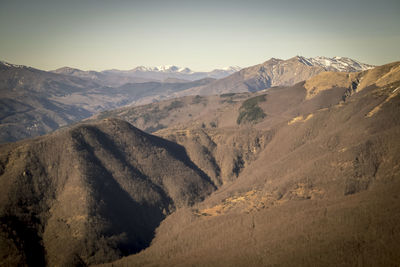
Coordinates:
(142, 68)
(9, 65)
(232, 68)
(164, 68)
(343, 64)
(173, 69)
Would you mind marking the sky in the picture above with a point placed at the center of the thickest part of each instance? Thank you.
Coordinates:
(201, 35)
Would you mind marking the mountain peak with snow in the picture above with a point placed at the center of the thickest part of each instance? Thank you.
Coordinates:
(183, 70)
(341, 64)
(232, 68)
(9, 65)
(163, 69)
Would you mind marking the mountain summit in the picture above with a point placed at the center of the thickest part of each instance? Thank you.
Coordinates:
(164, 68)
(342, 64)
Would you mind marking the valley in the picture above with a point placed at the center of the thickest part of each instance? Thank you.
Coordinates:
(199, 133)
(286, 173)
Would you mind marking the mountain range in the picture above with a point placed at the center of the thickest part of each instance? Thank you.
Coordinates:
(36, 102)
(298, 174)
(139, 74)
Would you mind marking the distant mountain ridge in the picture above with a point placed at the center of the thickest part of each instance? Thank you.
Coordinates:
(104, 78)
(34, 102)
(342, 64)
(163, 68)
(164, 72)
(277, 72)
(115, 77)
(173, 69)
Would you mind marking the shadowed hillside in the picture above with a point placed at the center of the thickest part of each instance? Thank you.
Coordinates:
(90, 194)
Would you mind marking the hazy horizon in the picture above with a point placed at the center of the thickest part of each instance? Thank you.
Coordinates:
(203, 35)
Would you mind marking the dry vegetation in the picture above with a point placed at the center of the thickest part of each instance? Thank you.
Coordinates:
(249, 111)
(313, 183)
(90, 194)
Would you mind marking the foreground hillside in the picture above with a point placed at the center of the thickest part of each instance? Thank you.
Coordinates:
(315, 183)
(90, 194)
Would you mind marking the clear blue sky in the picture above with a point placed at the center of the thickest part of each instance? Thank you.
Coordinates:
(202, 35)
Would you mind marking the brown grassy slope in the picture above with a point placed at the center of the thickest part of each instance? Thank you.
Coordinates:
(90, 194)
(381, 76)
(224, 151)
(323, 190)
(208, 125)
(358, 230)
(197, 111)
